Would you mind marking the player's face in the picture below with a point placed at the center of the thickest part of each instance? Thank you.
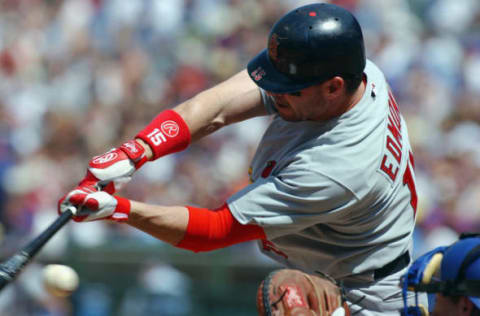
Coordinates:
(317, 103)
(299, 106)
(296, 106)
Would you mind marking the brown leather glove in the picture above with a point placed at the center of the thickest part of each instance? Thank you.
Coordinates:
(288, 292)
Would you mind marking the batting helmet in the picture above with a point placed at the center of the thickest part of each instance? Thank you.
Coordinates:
(308, 45)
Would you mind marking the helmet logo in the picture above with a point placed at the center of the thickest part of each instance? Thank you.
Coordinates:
(258, 74)
(273, 47)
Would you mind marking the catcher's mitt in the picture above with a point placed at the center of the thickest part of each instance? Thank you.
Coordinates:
(289, 292)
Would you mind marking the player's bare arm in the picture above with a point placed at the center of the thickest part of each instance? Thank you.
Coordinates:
(234, 100)
(167, 223)
(172, 130)
(176, 226)
(192, 228)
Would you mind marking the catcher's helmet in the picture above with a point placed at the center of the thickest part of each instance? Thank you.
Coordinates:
(451, 270)
(309, 45)
(461, 268)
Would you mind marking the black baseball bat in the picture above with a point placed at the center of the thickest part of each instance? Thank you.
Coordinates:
(10, 268)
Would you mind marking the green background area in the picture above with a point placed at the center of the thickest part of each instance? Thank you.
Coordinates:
(222, 282)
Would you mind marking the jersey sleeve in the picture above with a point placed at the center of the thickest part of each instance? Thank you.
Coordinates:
(290, 202)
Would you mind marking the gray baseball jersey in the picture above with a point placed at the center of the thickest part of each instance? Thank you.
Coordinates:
(336, 196)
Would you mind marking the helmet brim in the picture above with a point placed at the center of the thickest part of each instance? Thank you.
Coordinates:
(264, 74)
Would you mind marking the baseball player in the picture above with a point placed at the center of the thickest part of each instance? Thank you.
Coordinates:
(453, 273)
(332, 182)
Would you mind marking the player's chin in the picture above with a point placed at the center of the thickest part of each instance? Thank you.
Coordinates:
(293, 120)
(289, 116)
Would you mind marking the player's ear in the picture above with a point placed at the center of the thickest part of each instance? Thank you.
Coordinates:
(333, 87)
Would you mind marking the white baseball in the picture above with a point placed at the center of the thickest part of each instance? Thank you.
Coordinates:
(60, 280)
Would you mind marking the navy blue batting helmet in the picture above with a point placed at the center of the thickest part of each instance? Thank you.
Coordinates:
(308, 45)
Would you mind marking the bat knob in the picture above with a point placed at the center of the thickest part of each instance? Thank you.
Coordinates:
(72, 209)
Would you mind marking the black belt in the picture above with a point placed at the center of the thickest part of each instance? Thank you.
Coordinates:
(392, 267)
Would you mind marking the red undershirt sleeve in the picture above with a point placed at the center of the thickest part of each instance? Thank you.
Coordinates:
(214, 229)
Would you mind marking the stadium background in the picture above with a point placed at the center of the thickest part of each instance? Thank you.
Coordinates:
(78, 77)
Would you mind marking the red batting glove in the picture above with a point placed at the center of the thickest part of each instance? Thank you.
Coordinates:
(112, 170)
(94, 205)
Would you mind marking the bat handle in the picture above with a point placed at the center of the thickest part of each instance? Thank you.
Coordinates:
(11, 267)
(34, 246)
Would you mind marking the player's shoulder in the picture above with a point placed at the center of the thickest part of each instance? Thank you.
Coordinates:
(374, 73)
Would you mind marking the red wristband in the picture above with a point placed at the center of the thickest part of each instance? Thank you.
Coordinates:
(167, 133)
(122, 210)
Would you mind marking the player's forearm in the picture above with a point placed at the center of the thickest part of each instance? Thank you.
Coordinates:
(233, 100)
(167, 223)
(196, 229)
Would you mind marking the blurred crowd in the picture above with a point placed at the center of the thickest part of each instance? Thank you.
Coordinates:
(78, 77)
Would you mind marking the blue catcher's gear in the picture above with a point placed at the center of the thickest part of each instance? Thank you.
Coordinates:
(451, 270)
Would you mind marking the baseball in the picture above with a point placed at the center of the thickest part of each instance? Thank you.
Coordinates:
(60, 280)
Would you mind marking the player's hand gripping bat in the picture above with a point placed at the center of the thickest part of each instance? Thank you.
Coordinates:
(10, 268)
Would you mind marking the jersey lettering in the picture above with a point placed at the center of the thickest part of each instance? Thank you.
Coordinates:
(395, 130)
(394, 149)
(409, 180)
(394, 111)
(388, 169)
(393, 157)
